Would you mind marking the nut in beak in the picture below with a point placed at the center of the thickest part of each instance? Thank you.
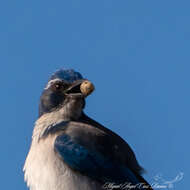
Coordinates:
(87, 88)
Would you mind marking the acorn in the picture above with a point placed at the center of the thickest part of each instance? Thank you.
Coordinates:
(87, 88)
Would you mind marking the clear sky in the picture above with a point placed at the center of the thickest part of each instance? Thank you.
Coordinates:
(136, 52)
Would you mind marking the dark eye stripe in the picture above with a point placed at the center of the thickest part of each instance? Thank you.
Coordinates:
(59, 85)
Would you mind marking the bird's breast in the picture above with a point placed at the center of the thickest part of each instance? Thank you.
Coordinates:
(45, 170)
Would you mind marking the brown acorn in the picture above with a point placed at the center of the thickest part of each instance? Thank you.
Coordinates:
(87, 88)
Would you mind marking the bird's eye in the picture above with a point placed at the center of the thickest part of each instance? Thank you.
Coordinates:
(58, 86)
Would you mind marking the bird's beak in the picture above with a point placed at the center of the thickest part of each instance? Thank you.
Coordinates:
(81, 88)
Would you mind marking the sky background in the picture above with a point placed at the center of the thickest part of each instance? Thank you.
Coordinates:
(136, 52)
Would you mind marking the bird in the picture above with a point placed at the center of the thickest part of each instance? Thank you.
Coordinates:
(70, 150)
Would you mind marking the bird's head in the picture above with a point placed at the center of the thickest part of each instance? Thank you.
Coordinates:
(65, 93)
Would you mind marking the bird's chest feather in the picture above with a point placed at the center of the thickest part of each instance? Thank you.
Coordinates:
(44, 170)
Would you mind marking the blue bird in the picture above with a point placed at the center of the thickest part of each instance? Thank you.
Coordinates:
(71, 151)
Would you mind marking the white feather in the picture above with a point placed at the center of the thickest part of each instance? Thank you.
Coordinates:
(45, 170)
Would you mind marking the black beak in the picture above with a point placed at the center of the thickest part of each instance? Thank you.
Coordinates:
(80, 88)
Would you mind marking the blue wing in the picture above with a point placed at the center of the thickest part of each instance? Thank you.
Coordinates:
(92, 163)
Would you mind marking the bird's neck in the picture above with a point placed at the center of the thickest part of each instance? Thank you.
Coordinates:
(71, 111)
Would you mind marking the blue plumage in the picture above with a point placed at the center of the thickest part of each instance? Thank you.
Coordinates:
(85, 155)
(92, 163)
(68, 75)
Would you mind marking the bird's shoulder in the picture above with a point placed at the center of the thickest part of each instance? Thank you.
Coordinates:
(96, 137)
(87, 135)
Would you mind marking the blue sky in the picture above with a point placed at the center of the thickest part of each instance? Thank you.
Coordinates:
(136, 52)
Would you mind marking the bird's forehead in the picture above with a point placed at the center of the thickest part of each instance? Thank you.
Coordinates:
(68, 75)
